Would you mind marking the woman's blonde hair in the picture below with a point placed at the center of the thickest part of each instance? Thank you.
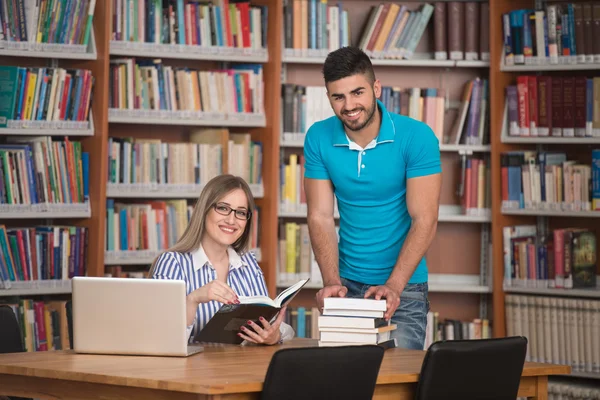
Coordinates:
(215, 190)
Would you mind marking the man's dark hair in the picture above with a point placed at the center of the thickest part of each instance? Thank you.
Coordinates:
(346, 62)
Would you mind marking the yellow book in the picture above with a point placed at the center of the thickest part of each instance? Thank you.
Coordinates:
(293, 181)
(290, 238)
(49, 330)
(32, 79)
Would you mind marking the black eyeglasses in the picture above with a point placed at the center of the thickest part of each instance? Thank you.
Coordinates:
(224, 209)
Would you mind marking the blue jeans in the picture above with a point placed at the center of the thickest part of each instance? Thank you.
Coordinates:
(410, 316)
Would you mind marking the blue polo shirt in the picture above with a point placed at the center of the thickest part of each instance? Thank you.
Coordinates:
(370, 187)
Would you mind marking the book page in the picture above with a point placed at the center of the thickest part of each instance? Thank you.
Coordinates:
(264, 300)
(288, 294)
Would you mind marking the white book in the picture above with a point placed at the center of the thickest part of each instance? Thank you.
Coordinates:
(351, 303)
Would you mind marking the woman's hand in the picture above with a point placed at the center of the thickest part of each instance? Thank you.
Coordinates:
(267, 334)
(215, 290)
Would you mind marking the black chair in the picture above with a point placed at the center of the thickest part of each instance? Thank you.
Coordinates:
(69, 307)
(10, 336)
(485, 369)
(10, 331)
(345, 372)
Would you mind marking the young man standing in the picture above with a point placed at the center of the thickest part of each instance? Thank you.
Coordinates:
(385, 171)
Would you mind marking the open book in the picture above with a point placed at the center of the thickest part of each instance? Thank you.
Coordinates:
(225, 325)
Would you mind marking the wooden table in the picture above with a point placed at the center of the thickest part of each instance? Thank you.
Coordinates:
(220, 372)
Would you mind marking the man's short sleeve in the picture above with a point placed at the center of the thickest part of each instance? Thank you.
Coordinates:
(423, 153)
(314, 167)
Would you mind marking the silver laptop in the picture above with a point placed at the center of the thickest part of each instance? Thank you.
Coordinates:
(130, 316)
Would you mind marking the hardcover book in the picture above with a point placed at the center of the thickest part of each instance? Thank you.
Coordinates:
(225, 325)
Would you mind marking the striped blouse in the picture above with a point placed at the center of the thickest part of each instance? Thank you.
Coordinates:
(245, 278)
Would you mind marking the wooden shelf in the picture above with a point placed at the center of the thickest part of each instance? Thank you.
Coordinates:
(296, 140)
(565, 63)
(164, 191)
(447, 213)
(192, 118)
(587, 375)
(44, 211)
(50, 50)
(35, 288)
(143, 257)
(550, 140)
(188, 52)
(551, 213)
(587, 293)
(438, 283)
(292, 56)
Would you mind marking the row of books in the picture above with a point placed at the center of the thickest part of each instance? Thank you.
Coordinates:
(44, 94)
(549, 181)
(315, 25)
(393, 31)
(47, 21)
(423, 104)
(461, 30)
(148, 225)
(151, 85)
(452, 329)
(569, 389)
(567, 106)
(42, 253)
(296, 259)
(304, 321)
(558, 330)
(44, 324)
(291, 189)
(471, 125)
(118, 271)
(303, 106)
(154, 162)
(555, 33)
(562, 258)
(474, 184)
(43, 171)
(221, 23)
(153, 225)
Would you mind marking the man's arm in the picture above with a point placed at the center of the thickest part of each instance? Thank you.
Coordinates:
(321, 228)
(422, 201)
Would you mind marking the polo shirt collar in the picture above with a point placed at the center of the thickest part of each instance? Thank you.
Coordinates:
(200, 259)
(387, 130)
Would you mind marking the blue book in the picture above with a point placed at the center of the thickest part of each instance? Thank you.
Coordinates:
(85, 170)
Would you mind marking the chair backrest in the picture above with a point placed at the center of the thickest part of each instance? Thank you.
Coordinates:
(345, 372)
(10, 331)
(484, 369)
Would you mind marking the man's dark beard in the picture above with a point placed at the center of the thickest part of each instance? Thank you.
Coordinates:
(369, 119)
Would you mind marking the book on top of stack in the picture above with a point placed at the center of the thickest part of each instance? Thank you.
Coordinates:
(349, 321)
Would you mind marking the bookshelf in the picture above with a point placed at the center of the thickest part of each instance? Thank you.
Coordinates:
(544, 293)
(454, 274)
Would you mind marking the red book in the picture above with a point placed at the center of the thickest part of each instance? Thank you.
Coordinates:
(568, 109)
(533, 105)
(523, 95)
(557, 102)
(580, 105)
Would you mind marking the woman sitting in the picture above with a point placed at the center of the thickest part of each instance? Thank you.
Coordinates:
(211, 258)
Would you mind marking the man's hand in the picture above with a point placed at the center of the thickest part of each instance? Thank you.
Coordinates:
(330, 291)
(391, 296)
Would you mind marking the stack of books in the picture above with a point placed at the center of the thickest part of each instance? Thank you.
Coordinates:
(354, 321)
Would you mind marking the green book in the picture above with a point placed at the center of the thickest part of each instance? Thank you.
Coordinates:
(9, 78)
